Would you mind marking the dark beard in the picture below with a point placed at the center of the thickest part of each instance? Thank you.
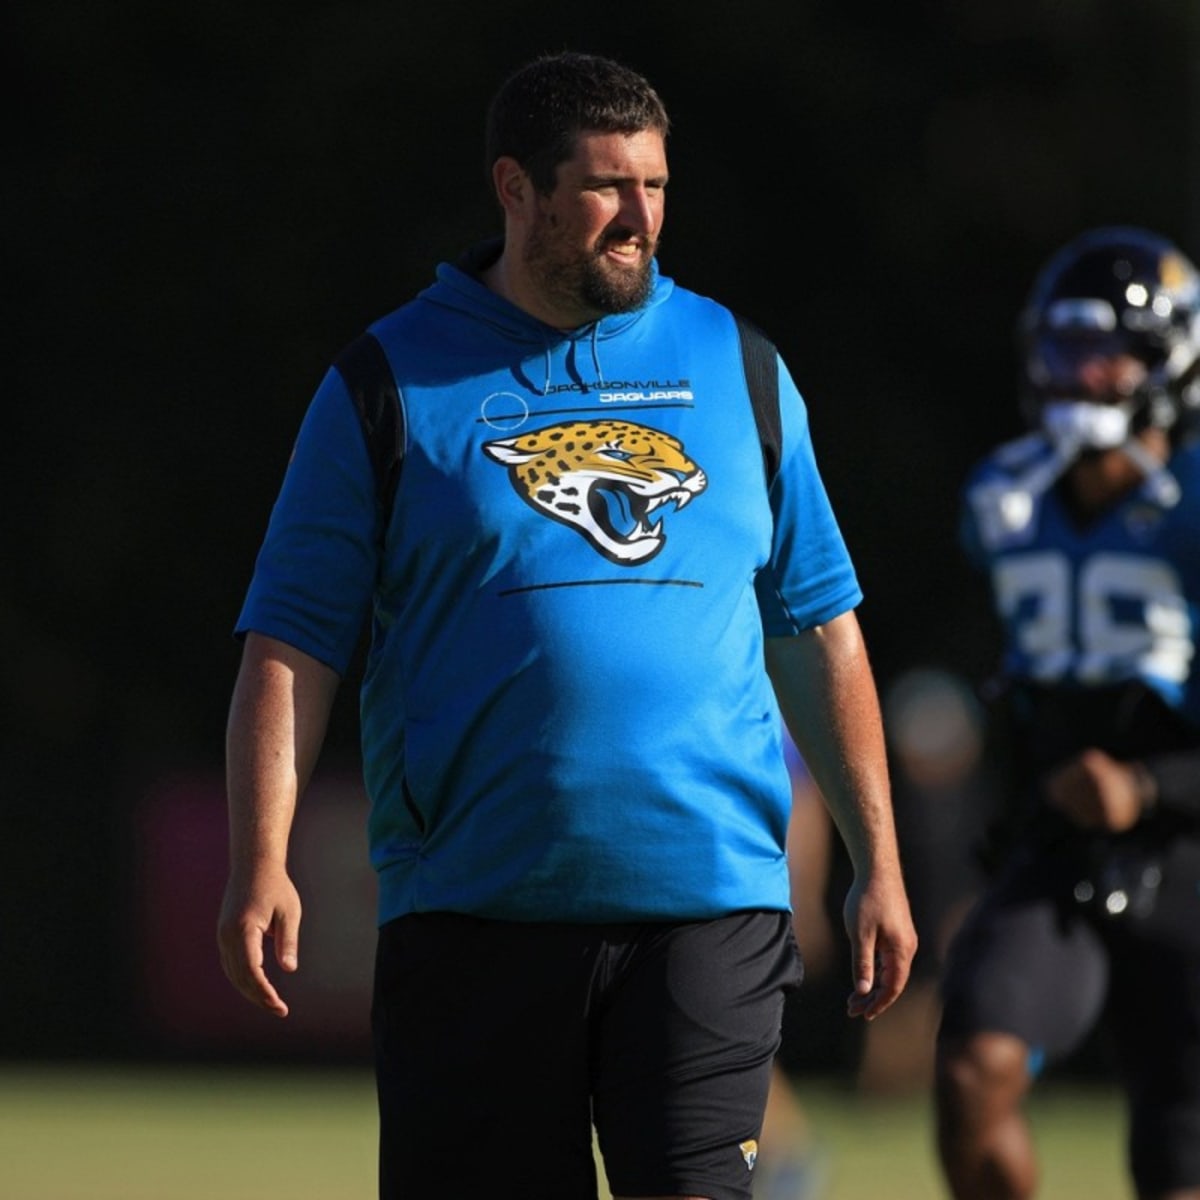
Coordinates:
(609, 292)
(585, 281)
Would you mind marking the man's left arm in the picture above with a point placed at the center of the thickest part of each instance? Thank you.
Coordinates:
(826, 691)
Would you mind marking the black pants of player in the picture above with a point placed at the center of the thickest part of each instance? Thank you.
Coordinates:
(499, 1044)
(1036, 962)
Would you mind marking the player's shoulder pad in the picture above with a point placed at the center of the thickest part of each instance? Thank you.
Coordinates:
(1012, 458)
(1003, 493)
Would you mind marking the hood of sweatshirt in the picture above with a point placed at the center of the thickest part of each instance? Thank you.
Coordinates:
(459, 287)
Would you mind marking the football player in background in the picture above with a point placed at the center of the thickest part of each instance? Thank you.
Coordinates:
(1089, 531)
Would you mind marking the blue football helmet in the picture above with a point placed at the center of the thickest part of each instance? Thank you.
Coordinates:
(1112, 291)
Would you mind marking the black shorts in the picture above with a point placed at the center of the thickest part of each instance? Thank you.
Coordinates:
(499, 1044)
(1034, 961)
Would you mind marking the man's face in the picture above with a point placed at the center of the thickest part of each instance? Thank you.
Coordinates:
(591, 241)
(1094, 410)
(1111, 378)
(1096, 369)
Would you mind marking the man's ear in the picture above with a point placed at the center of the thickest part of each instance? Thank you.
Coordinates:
(514, 188)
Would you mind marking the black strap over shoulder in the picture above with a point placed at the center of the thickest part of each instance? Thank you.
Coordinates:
(759, 361)
(372, 386)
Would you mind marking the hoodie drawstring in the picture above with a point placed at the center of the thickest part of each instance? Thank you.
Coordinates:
(596, 351)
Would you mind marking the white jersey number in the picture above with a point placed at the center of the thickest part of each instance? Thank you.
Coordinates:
(1115, 616)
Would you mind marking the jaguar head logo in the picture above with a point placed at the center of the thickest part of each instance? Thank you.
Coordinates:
(606, 479)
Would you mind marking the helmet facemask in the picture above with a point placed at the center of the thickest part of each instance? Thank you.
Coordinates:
(1113, 323)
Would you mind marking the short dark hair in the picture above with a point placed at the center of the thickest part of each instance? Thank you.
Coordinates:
(543, 106)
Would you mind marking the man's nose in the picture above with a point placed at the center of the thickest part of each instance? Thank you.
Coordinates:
(638, 211)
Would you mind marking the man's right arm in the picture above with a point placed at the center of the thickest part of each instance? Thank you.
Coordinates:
(277, 722)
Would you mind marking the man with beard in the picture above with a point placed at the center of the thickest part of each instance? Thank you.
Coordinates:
(579, 799)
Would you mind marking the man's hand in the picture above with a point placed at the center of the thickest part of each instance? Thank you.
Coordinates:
(266, 905)
(1095, 791)
(883, 942)
(277, 721)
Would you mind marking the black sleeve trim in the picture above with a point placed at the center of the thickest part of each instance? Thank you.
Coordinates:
(761, 366)
(367, 373)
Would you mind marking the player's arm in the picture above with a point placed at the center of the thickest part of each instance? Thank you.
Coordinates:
(1097, 791)
(826, 690)
(277, 722)
(1171, 783)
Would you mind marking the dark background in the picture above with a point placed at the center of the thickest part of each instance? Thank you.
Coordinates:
(202, 203)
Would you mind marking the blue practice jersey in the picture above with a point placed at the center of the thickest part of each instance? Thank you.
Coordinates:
(1088, 605)
(565, 713)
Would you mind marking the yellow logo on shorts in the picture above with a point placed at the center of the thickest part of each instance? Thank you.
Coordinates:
(749, 1153)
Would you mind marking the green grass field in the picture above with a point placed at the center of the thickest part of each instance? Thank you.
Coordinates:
(94, 1134)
